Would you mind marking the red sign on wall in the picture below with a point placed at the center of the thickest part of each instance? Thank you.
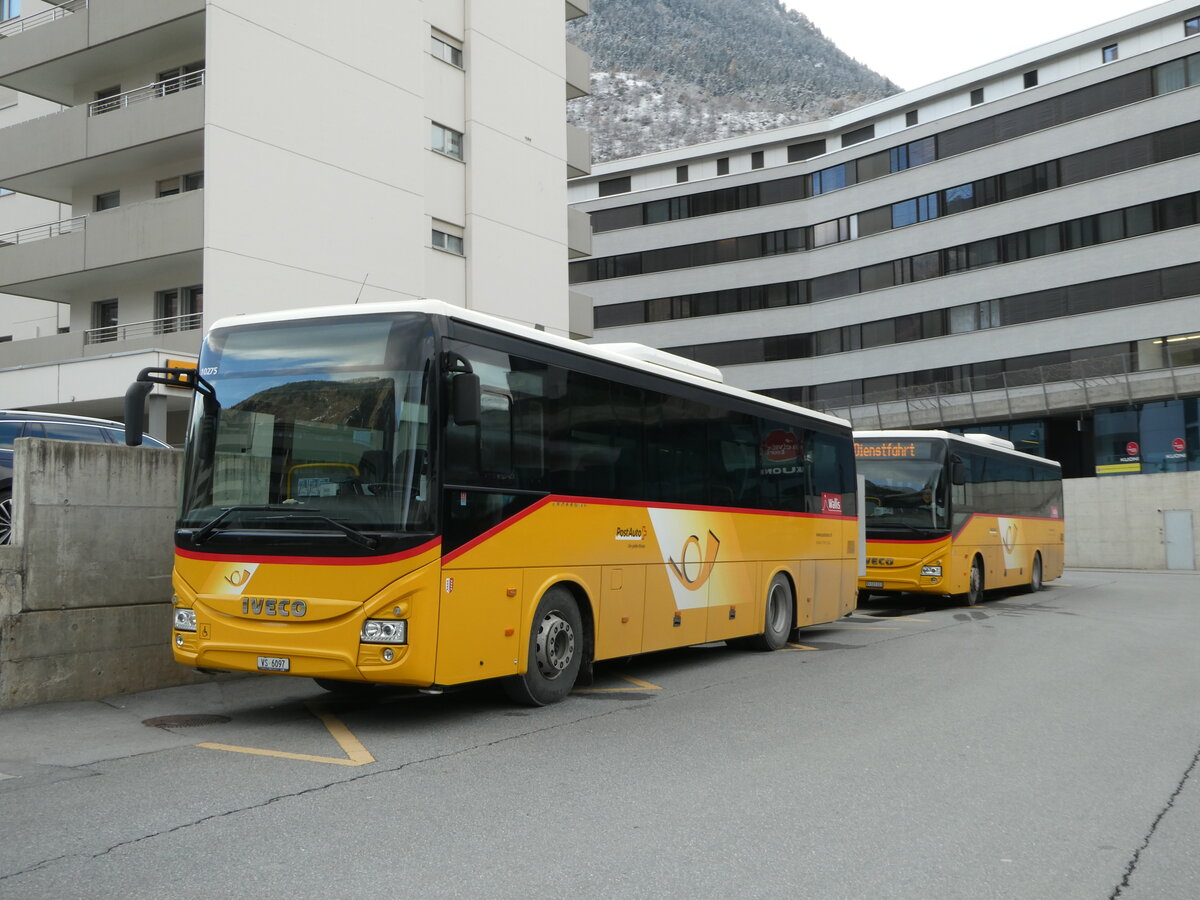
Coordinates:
(1178, 445)
(1132, 449)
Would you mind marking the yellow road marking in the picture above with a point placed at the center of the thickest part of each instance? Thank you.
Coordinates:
(356, 753)
(857, 627)
(802, 647)
(639, 685)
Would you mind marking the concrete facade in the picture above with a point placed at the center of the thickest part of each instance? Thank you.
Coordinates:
(177, 162)
(925, 260)
(1118, 523)
(85, 586)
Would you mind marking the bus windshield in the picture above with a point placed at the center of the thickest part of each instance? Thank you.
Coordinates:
(905, 484)
(313, 426)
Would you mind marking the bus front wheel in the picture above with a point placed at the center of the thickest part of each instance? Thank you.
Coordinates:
(975, 585)
(1035, 575)
(554, 652)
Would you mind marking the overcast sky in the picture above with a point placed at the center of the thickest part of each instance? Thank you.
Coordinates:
(919, 42)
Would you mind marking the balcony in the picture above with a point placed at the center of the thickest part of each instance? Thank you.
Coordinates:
(579, 72)
(90, 257)
(138, 331)
(579, 152)
(1066, 387)
(49, 54)
(141, 129)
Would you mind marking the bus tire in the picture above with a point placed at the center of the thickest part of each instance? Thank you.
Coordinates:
(1035, 574)
(777, 619)
(975, 586)
(554, 652)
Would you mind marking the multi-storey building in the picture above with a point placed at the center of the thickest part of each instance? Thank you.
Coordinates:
(1013, 249)
(165, 164)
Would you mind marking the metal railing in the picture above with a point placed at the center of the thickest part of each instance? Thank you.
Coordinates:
(149, 92)
(107, 333)
(1078, 385)
(16, 26)
(41, 232)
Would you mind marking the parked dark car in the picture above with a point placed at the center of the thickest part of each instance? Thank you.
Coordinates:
(15, 423)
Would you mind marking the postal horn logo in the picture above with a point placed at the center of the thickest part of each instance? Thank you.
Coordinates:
(694, 567)
(237, 579)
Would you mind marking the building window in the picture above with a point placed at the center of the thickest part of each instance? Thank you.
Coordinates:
(613, 186)
(723, 165)
(858, 135)
(681, 174)
(446, 141)
(756, 159)
(910, 118)
(172, 81)
(451, 243)
(801, 152)
(178, 309)
(1108, 54)
(104, 321)
(1191, 26)
(1031, 78)
(169, 187)
(110, 200)
(977, 96)
(112, 95)
(446, 49)
(9, 9)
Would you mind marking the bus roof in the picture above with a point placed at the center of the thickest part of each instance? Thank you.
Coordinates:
(987, 441)
(687, 372)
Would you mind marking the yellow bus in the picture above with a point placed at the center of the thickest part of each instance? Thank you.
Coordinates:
(416, 494)
(957, 514)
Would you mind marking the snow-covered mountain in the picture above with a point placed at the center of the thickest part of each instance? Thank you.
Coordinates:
(668, 73)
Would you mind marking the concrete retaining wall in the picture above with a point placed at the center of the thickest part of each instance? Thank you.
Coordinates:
(1116, 522)
(85, 586)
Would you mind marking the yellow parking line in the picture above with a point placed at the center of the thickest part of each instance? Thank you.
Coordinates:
(639, 685)
(356, 753)
(802, 647)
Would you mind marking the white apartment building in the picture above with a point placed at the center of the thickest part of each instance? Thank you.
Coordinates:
(1013, 249)
(167, 163)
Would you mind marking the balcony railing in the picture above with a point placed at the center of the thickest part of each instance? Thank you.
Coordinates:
(148, 92)
(41, 232)
(16, 26)
(1080, 385)
(170, 325)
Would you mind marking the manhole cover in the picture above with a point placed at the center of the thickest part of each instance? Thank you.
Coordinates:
(184, 721)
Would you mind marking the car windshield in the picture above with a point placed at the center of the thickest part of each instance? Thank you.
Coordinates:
(312, 426)
(905, 484)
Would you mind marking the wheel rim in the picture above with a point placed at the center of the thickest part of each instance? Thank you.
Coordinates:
(1036, 580)
(6, 512)
(976, 581)
(555, 645)
(777, 608)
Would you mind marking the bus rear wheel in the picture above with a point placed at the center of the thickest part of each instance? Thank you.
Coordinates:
(554, 653)
(1035, 574)
(975, 585)
(777, 622)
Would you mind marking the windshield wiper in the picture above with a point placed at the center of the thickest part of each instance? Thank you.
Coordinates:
(914, 529)
(208, 530)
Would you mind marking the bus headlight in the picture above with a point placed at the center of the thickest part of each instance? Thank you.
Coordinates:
(931, 571)
(185, 620)
(385, 631)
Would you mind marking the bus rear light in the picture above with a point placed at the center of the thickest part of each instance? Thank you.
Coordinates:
(385, 631)
(931, 571)
(185, 620)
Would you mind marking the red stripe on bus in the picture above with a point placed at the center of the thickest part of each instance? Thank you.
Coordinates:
(312, 560)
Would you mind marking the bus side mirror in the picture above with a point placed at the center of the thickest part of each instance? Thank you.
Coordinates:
(135, 412)
(958, 472)
(466, 404)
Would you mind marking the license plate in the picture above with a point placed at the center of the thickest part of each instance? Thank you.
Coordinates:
(869, 584)
(274, 663)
